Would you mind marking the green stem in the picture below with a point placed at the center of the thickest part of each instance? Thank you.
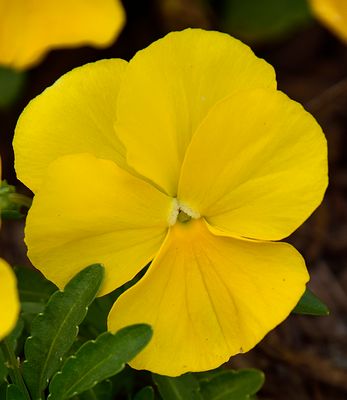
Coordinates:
(13, 366)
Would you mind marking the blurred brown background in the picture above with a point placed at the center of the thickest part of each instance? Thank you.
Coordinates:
(306, 357)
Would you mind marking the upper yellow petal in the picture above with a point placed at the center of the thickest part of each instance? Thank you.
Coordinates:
(256, 167)
(9, 301)
(75, 115)
(333, 13)
(30, 28)
(208, 298)
(90, 211)
(168, 89)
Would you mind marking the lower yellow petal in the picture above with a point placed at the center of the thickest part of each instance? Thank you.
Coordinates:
(9, 301)
(209, 298)
(30, 28)
(89, 211)
(75, 115)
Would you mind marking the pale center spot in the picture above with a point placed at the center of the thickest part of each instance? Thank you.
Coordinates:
(181, 213)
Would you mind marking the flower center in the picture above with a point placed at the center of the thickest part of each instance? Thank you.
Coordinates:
(181, 213)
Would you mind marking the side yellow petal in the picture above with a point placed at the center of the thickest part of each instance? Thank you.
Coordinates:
(30, 28)
(208, 298)
(90, 211)
(169, 87)
(333, 14)
(9, 301)
(75, 115)
(256, 167)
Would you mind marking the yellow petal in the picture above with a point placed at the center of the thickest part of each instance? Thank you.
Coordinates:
(256, 167)
(208, 298)
(30, 28)
(332, 13)
(9, 301)
(89, 211)
(75, 115)
(169, 87)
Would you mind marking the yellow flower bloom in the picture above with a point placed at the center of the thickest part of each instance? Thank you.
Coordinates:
(187, 156)
(9, 302)
(30, 28)
(332, 13)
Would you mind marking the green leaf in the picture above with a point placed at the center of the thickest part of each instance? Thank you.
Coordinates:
(3, 390)
(96, 318)
(14, 336)
(102, 391)
(33, 286)
(147, 393)
(231, 385)
(260, 21)
(97, 360)
(310, 304)
(54, 331)
(11, 85)
(34, 292)
(14, 393)
(183, 387)
(28, 307)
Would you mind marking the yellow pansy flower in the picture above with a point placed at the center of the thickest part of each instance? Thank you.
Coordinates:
(30, 28)
(9, 302)
(332, 13)
(187, 156)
